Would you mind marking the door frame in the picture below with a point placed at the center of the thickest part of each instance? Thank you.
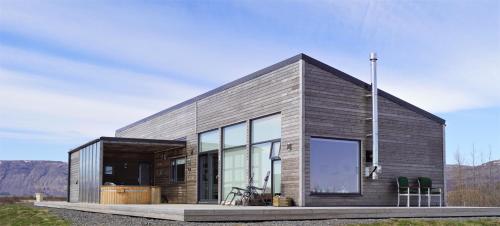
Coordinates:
(210, 164)
(151, 171)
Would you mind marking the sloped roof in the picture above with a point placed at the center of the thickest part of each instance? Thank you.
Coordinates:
(281, 64)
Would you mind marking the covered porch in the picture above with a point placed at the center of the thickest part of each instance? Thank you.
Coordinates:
(119, 170)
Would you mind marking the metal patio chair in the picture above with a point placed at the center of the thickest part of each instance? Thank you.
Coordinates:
(243, 193)
(405, 190)
(257, 193)
(426, 189)
(247, 195)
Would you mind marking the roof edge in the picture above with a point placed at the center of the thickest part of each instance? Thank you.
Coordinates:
(367, 86)
(127, 140)
(218, 89)
(300, 56)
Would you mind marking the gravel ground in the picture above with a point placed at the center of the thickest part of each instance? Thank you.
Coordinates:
(86, 218)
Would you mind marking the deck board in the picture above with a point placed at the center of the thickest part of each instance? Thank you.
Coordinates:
(208, 213)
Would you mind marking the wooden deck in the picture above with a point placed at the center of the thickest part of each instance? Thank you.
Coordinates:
(190, 212)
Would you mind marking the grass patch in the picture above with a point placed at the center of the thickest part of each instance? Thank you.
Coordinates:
(441, 222)
(15, 214)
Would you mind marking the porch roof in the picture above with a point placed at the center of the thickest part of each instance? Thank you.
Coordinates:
(122, 144)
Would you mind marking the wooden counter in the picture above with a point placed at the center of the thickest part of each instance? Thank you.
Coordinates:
(122, 194)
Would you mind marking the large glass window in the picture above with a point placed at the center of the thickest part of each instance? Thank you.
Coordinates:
(177, 170)
(334, 166)
(209, 141)
(266, 136)
(233, 162)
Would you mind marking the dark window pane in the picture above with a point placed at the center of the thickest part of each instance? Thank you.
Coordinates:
(180, 172)
(177, 170)
(334, 166)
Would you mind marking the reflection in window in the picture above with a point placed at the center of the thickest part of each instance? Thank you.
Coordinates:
(108, 170)
(268, 128)
(177, 170)
(334, 166)
(234, 166)
(261, 164)
(275, 151)
(276, 176)
(235, 135)
(209, 141)
(234, 153)
(266, 135)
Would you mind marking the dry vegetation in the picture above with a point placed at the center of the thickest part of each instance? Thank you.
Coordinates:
(474, 185)
(26, 199)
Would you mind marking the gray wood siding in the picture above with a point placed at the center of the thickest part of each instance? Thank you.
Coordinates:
(170, 192)
(170, 126)
(276, 91)
(410, 144)
(74, 176)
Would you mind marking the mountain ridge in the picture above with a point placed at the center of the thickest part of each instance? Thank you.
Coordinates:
(26, 177)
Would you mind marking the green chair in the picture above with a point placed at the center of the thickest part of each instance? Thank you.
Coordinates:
(426, 189)
(405, 190)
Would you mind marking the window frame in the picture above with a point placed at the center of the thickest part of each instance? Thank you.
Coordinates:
(223, 149)
(173, 171)
(207, 153)
(338, 194)
(272, 141)
(208, 131)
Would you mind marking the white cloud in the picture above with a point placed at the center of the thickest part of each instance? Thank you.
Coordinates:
(63, 95)
(168, 40)
(442, 62)
(69, 99)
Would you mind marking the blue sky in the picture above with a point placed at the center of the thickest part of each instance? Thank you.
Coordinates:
(71, 71)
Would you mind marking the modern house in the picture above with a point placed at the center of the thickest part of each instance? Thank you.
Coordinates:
(305, 122)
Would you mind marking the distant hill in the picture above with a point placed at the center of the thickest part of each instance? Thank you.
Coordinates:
(23, 178)
(483, 174)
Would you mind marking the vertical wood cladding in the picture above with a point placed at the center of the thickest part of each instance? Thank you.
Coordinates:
(74, 176)
(276, 91)
(410, 144)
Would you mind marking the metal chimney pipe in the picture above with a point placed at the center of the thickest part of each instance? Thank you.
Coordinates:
(376, 168)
